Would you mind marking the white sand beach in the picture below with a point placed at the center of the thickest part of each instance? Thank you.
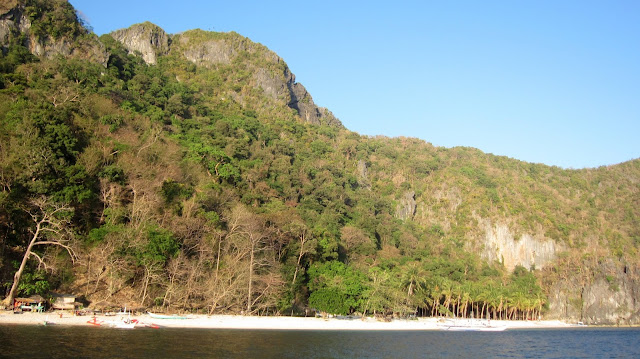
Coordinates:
(266, 322)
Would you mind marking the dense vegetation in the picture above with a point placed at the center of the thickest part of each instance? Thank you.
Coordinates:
(185, 186)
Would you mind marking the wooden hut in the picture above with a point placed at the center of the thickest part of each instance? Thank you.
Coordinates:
(34, 303)
(63, 301)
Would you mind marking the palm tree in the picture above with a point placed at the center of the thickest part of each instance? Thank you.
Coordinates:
(414, 282)
(501, 307)
(466, 290)
(539, 301)
(435, 294)
(481, 294)
(447, 292)
(413, 277)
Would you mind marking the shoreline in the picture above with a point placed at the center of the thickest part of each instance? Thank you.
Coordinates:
(266, 322)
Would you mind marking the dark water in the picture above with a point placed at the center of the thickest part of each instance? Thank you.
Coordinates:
(85, 342)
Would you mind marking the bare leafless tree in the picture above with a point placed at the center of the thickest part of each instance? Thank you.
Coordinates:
(51, 227)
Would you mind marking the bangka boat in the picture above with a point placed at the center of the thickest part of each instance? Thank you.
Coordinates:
(125, 323)
(471, 326)
(95, 321)
(164, 316)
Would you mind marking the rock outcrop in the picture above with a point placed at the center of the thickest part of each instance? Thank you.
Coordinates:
(603, 298)
(363, 174)
(606, 299)
(209, 49)
(502, 246)
(15, 25)
(302, 102)
(12, 21)
(146, 38)
(284, 85)
(209, 52)
(406, 208)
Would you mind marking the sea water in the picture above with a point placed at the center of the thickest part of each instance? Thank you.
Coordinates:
(20, 341)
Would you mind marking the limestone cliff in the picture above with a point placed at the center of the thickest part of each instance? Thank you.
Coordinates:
(146, 38)
(362, 172)
(527, 251)
(284, 85)
(269, 73)
(608, 298)
(49, 41)
(210, 50)
(406, 207)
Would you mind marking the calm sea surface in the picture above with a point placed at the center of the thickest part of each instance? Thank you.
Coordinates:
(86, 342)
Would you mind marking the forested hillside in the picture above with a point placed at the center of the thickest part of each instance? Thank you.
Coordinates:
(191, 172)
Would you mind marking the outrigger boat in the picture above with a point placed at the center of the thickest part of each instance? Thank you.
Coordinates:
(471, 326)
(123, 323)
(95, 322)
(164, 316)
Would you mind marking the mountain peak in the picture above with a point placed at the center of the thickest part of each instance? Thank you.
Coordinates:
(263, 70)
(146, 38)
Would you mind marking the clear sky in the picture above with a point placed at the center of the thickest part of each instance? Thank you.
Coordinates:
(549, 81)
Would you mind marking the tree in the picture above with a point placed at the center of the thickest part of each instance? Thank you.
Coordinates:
(413, 280)
(336, 288)
(381, 292)
(51, 227)
(153, 254)
(306, 242)
(249, 234)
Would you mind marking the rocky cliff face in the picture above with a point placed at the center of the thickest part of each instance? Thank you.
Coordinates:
(406, 208)
(146, 38)
(607, 295)
(502, 246)
(603, 298)
(14, 23)
(362, 172)
(607, 298)
(302, 102)
(210, 49)
(284, 85)
(210, 52)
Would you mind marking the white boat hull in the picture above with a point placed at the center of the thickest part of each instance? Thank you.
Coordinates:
(471, 326)
(474, 329)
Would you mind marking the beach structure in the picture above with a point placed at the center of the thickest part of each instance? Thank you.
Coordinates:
(63, 301)
(34, 303)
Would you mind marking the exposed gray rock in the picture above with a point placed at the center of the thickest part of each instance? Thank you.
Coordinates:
(406, 209)
(207, 49)
(14, 23)
(273, 86)
(146, 38)
(501, 245)
(606, 299)
(565, 302)
(210, 52)
(328, 118)
(301, 101)
(283, 85)
(92, 50)
(363, 175)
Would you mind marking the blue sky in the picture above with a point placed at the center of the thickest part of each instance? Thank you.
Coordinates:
(549, 81)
